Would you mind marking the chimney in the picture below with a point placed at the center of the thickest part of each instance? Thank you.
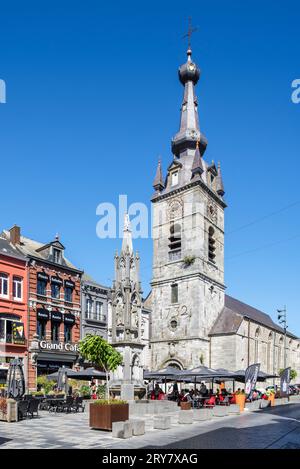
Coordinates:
(15, 235)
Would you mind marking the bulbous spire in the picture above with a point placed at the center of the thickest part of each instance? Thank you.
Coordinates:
(189, 71)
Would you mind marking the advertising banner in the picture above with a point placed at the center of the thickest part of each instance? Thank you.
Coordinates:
(250, 379)
(285, 379)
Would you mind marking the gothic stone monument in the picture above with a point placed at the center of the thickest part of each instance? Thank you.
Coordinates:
(126, 320)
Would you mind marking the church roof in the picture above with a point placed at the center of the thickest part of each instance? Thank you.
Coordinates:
(234, 311)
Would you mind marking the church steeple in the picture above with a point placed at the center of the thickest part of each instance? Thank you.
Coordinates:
(127, 237)
(197, 168)
(189, 132)
(158, 183)
(219, 182)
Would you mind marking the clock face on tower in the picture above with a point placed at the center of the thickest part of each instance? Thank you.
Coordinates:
(192, 67)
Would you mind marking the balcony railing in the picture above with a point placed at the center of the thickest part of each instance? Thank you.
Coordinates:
(95, 316)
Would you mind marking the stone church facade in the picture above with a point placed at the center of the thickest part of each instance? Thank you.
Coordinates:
(193, 321)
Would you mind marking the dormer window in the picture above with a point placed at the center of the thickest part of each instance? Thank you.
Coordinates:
(57, 256)
(174, 178)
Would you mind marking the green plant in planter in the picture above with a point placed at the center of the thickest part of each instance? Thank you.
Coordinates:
(189, 260)
(108, 402)
(99, 352)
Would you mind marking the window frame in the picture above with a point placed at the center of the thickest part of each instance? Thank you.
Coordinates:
(70, 298)
(68, 327)
(89, 312)
(43, 324)
(55, 325)
(4, 277)
(17, 280)
(55, 285)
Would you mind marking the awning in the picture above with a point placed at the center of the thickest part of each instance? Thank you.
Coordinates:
(87, 374)
(168, 372)
(262, 376)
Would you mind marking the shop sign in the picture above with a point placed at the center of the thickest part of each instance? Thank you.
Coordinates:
(43, 314)
(56, 280)
(60, 346)
(18, 333)
(69, 319)
(56, 316)
(69, 284)
(43, 276)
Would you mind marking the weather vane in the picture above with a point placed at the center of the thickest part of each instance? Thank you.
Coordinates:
(191, 30)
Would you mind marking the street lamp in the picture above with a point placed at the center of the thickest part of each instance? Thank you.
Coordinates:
(282, 320)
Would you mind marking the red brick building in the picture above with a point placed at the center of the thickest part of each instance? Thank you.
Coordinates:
(13, 307)
(53, 305)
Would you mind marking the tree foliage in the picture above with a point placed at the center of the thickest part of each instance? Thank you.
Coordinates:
(98, 351)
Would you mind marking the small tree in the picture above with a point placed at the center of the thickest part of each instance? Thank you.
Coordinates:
(98, 351)
(293, 373)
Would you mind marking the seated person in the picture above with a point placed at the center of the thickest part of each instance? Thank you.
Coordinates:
(157, 391)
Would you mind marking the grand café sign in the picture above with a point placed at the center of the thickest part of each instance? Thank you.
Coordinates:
(60, 346)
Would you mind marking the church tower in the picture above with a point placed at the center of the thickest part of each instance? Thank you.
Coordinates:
(188, 242)
(126, 321)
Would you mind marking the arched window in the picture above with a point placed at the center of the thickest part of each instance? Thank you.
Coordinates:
(175, 241)
(211, 244)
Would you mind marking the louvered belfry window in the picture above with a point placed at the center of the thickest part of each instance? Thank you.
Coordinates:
(211, 244)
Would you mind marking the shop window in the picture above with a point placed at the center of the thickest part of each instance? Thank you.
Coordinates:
(2, 330)
(4, 285)
(18, 288)
(55, 331)
(9, 332)
(55, 291)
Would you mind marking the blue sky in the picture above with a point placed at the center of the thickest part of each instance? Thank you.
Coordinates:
(93, 98)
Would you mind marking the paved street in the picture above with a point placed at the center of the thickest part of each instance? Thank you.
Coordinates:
(277, 427)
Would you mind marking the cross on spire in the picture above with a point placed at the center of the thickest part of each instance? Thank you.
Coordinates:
(191, 30)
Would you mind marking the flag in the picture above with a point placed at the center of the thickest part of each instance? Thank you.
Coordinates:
(285, 379)
(250, 379)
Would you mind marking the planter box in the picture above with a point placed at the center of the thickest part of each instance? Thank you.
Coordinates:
(185, 405)
(102, 416)
(12, 412)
